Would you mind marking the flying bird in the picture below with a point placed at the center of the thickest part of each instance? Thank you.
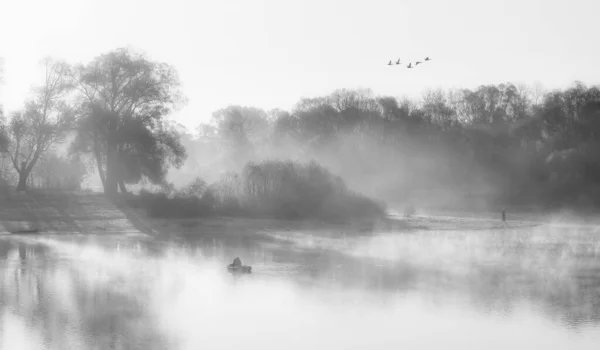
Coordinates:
(417, 63)
(409, 65)
(389, 64)
(427, 58)
(398, 62)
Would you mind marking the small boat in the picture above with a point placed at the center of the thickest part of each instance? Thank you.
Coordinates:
(237, 268)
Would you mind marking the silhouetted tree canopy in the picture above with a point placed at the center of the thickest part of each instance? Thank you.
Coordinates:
(509, 143)
(523, 144)
(124, 99)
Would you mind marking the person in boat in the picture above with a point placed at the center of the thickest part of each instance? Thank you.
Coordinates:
(237, 267)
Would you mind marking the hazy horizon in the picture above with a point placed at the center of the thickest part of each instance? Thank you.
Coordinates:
(270, 54)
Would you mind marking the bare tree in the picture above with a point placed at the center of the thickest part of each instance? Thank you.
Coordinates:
(44, 121)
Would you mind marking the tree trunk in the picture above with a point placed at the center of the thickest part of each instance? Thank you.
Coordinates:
(98, 156)
(122, 186)
(22, 186)
(100, 169)
(112, 164)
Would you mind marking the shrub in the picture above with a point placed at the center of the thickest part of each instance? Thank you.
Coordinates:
(195, 188)
(293, 191)
(269, 189)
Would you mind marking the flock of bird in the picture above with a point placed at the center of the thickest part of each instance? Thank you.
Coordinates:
(409, 63)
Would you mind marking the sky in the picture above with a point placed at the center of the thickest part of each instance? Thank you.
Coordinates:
(271, 53)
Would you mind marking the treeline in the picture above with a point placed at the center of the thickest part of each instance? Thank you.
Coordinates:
(490, 146)
(493, 146)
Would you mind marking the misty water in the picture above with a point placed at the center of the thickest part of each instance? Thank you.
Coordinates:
(447, 283)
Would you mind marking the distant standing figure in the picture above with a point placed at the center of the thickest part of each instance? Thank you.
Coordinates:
(504, 215)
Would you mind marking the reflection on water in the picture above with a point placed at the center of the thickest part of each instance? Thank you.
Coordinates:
(517, 287)
(79, 301)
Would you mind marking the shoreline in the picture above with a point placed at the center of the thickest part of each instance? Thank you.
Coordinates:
(54, 212)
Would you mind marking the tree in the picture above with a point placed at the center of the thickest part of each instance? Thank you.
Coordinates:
(45, 120)
(437, 109)
(124, 99)
(242, 129)
(5, 165)
(4, 138)
(56, 171)
(145, 152)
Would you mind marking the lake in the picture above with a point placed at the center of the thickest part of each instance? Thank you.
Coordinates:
(442, 283)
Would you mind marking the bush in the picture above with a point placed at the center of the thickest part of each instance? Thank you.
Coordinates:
(196, 188)
(293, 191)
(275, 189)
(178, 205)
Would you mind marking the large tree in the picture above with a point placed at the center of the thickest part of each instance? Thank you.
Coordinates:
(124, 99)
(45, 121)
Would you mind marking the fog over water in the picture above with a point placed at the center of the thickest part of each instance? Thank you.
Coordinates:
(515, 287)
